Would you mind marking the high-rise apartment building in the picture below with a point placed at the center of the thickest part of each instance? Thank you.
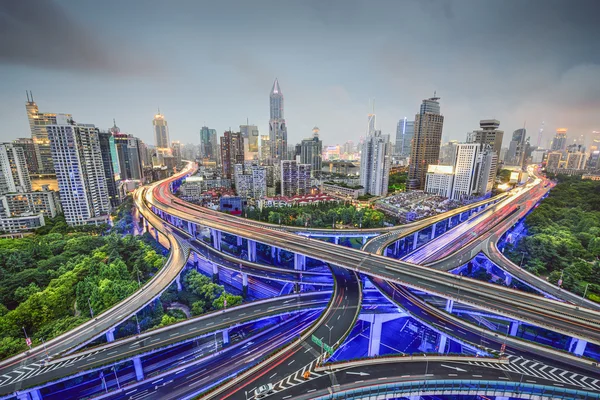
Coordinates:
(426, 141)
(209, 145)
(277, 126)
(108, 150)
(371, 123)
(232, 152)
(295, 178)
(14, 176)
(30, 150)
(404, 134)
(311, 152)
(250, 181)
(575, 160)
(559, 143)
(37, 124)
(375, 163)
(251, 138)
(553, 160)
(161, 131)
(265, 150)
(79, 169)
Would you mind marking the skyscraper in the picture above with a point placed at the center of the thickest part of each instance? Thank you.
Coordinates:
(474, 170)
(79, 169)
(209, 145)
(14, 176)
(251, 136)
(295, 178)
(37, 124)
(310, 152)
(488, 135)
(129, 156)
(30, 150)
(559, 143)
(277, 126)
(426, 141)
(404, 134)
(161, 131)
(516, 148)
(107, 150)
(375, 162)
(232, 153)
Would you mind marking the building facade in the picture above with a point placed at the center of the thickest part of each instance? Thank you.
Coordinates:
(129, 156)
(277, 125)
(295, 178)
(517, 148)
(14, 175)
(404, 134)
(251, 142)
(209, 145)
(375, 163)
(426, 141)
(79, 169)
(107, 150)
(311, 152)
(559, 143)
(161, 131)
(488, 135)
(232, 153)
(30, 151)
(439, 180)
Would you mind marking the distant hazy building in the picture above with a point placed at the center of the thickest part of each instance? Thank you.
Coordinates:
(448, 152)
(371, 123)
(209, 145)
(265, 150)
(311, 152)
(593, 161)
(161, 131)
(537, 156)
(426, 141)
(375, 163)
(176, 151)
(80, 172)
(14, 176)
(516, 148)
(404, 134)
(251, 142)
(575, 160)
(553, 160)
(439, 180)
(277, 126)
(559, 143)
(295, 178)
(37, 124)
(232, 152)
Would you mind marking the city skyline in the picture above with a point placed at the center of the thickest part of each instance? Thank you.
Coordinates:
(336, 98)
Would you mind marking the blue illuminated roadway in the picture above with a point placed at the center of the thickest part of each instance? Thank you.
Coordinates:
(314, 288)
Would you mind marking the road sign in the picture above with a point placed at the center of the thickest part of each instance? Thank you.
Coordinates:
(319, 342)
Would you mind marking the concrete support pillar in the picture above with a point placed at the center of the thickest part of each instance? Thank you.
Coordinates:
(442, 343)
(244, 279)
(189, 228)
(110, 335)
(396, 248)
(449, 305)
(273, 254)
(364, 240)
(433, 231)
(578, 346)
(35, 394)
(299, 262)
(251, 250)
(239, 241)
(415, 240)
(225, 337)
(336, 239)
(215, 272)
(279, 255)
(139, 371)
(195, 259)
(23, 396)
(216, 239)
(145, 224)
(507, 279)
(178, 282)
(514, 328)
(156, 234)
(376, 322)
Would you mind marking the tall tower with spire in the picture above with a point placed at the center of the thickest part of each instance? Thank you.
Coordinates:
(277, 126)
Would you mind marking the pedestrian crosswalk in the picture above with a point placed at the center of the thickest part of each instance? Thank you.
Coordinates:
(29, 371)
(531, 368)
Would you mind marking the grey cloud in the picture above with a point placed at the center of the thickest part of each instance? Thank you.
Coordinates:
(41, 34)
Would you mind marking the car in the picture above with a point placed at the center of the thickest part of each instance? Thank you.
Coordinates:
(264, 391)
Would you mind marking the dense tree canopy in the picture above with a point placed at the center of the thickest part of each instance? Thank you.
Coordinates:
(564, 236)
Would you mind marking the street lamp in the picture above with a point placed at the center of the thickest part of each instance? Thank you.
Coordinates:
(114, 368)
(90, 305)
(522, 258)
(330, 328)
(584, 293)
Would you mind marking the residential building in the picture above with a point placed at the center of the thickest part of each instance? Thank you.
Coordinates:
(375, 162)
(404, 134)
(209, 145)
(46, 202)
(575, 160)
(310, 152)
(426, 141)
(295, 178)
(232, 152)
(161, 131)
(439, 180)
(553, 160)
(334, 189)
(107, 150)
(79, 169)
(14, 176)
(251, 137)
(277, 126)
(39, 134)
(559, 143)
(30, 151)
(250, 182)
(20, 223)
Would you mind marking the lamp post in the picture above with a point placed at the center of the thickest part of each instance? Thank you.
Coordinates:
(114, 368)
(330, 328)
(90, 305)
(522, 258)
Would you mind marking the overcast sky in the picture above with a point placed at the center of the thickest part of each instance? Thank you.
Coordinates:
(213, 63)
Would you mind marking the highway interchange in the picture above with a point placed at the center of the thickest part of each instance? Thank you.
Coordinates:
(298, 353)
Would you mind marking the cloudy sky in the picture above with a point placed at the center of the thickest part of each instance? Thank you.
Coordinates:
(213, 63)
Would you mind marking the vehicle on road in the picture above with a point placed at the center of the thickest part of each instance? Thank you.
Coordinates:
(264, 391)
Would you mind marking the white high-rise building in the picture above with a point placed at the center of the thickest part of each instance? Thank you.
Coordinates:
(14, 176)
(295, 178)
(79, 170)
(375, 162)
(439, 180)
(474, 170)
